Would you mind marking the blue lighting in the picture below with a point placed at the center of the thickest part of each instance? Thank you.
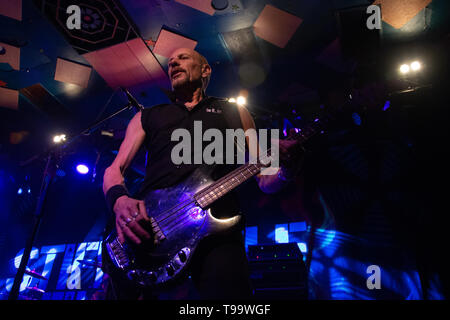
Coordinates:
(20, 191)
(281, 233)
(60, 173)
(251, 236)
(302, 247)
(356, 119)
(387, 105)
(297, 226)
(82, 169)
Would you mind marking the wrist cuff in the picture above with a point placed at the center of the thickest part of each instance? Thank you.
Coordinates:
(114, 193)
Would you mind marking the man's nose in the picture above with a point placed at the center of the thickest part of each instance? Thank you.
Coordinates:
(174, 63)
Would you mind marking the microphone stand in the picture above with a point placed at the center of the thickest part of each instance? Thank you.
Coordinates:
(52, 155)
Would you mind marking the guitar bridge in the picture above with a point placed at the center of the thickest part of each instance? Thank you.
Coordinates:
(158, 234)
(117, 253)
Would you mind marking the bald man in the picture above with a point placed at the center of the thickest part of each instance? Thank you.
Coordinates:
(219, 267)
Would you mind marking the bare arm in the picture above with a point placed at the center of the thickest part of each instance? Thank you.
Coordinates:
(130, 213)
(134, 138)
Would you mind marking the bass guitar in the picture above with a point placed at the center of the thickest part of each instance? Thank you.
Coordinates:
(181, 217)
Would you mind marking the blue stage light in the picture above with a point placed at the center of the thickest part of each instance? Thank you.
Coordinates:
(19, 191)
(281, 233)
(356, 119)
(82, 169)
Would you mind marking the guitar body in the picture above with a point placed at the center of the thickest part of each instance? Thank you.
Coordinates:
(180, 223)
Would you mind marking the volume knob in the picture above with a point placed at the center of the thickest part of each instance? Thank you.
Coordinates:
(151, 276)
(170, 270)
(182, 256)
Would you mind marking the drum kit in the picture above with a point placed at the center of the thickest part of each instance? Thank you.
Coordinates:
(33, 293)
(36, 293)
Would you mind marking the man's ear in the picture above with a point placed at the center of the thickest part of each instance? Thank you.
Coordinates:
(206, 70)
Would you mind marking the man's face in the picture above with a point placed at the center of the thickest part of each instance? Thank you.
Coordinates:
(185, 68)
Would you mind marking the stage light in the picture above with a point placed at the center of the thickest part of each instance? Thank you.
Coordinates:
(72, 89)
(241, 100)
(82, 169)
(404, 69)
(302, 247)
(232, 100)
(356, 118)
(59, 138)
(281, 233)
(415, 66)
(20, 191)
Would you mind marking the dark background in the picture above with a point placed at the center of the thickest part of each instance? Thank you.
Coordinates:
(383, 180)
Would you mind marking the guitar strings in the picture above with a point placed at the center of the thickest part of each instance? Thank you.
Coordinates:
(168, 213)
(168, 225)
(171, 213)
(178, 218)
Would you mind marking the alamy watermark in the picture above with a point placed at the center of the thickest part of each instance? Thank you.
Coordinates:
(234, 142)
(374, 20)
(374, 280)
(74, 19)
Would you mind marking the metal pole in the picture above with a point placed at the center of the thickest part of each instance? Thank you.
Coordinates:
(46, 181)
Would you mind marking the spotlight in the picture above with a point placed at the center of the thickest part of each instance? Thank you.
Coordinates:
(219, 4)
(20, 191)
(241, 100)
(415, 66)
(59, 138)
(82, 169)
(404, 68)
(232, 100)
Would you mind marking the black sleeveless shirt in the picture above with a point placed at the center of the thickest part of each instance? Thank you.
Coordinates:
(160, 121)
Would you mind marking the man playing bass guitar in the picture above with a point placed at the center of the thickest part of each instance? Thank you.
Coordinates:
(218, 268)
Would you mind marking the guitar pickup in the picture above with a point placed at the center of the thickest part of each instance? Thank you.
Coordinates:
(158, 234)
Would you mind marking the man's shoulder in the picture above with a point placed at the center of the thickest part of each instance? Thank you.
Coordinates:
(156, 107)
(217, 99)
(222, 102)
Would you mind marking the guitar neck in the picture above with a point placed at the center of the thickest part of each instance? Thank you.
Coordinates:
(227, 183)
(235, 178)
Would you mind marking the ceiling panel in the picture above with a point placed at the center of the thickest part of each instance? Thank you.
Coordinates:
(276, 26)
(200, 5)
(71, 72)
(12, 9)
(169, 41)
(398, 12)
(126, 64)
(9, 98)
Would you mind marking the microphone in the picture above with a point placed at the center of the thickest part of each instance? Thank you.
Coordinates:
(132, 100)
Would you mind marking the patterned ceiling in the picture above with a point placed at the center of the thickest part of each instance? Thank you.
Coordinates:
(279, 52)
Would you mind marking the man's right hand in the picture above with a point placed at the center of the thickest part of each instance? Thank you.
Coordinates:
(131, 219)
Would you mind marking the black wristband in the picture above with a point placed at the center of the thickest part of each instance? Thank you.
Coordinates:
(114, 193)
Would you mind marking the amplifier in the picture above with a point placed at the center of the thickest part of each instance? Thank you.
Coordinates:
(277, 271)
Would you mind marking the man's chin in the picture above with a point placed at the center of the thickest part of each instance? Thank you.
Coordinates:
(178, 83)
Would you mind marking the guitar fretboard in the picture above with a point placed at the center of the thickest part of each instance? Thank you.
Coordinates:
(227, 183)
(235, 178)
